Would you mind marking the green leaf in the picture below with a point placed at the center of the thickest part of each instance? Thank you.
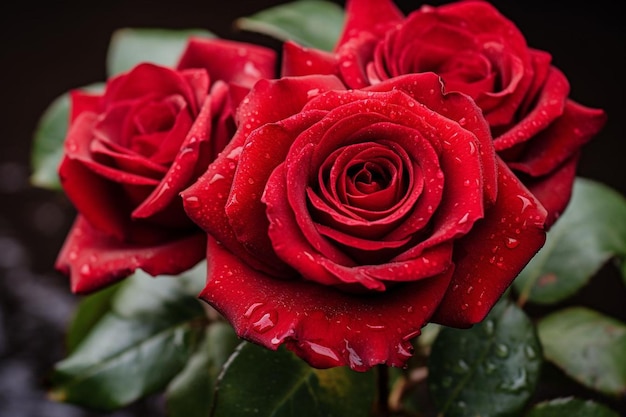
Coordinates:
(134, 349)
(591, 231)
(491, 369)
(570, 407)
(89, 311)
(131, 46)
(312, 23)
(588, 346)
(191, 392)
(48, 144)
(48, 141)
(259, 382)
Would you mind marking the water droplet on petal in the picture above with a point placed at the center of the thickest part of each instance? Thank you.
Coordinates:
(266, 322)
(322, 350)
(251, 309)
(511, 243)
(192, 201)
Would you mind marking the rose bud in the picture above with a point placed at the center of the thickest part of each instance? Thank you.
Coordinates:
(342, 221)
(130, 151)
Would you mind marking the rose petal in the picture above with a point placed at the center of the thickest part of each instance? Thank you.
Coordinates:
(232, 62)
(427, 89)
(555, 190)
(298, 61)
(564, 137)
(103, 209)
(94, 260)
(488, 259)
(549, 106)
(311, 320)
(83, 101)
(375, 16)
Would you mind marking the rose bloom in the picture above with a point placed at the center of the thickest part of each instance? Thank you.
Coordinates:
(537, 129)
(130, 151)
(342, 221)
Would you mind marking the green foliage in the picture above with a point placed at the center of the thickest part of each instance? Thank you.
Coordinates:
(588, 346)
(190, 394)
(313, 23)
(591, 231)
(570, 407)
(491, 369)
(260, 382)
(150, 321)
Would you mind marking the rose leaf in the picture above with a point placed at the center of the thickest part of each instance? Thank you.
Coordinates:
(491, 369)
(259, 382)
(131, 46)
(48, 141)
(590, 232)
(89, 311)
(190, 393)
(151, 320)
(570, 407)
(588, 346)
(313, 23)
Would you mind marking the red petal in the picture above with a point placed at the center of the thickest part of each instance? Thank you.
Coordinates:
(549, 106)
(426, 88)
(184, 166)
(233, 62)
(374, 16)
(323, 326)
(563, 138)
(83, 101)
(555, 190)
(94, 260)
(489, 258)
(298, 61)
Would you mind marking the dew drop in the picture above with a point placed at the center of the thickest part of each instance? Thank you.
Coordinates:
(461, 367)
(525, 202)
(490, 367)
(489, 327)
(251, 309)
(322, 350)
(266, 322)
(216, 177)
(463, 219)
(501, 350)
(511, 243)
(85, 269)
(530, 352)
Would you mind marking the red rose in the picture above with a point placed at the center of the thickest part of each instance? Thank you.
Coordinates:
(537, 130)
(132, 149)
(341, 221)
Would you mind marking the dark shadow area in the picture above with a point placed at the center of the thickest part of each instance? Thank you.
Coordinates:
(56, 46)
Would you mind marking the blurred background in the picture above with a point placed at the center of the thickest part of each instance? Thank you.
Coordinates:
(50, 48)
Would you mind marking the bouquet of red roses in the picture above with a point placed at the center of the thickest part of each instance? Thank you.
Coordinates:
(351, 225)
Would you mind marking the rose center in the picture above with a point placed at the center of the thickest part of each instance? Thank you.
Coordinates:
(368, 177)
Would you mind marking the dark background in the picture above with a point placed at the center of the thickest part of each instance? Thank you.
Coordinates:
(52, 47)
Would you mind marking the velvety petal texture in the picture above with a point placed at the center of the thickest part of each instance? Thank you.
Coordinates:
(477, 51)
(131, 150)
(340, 220)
